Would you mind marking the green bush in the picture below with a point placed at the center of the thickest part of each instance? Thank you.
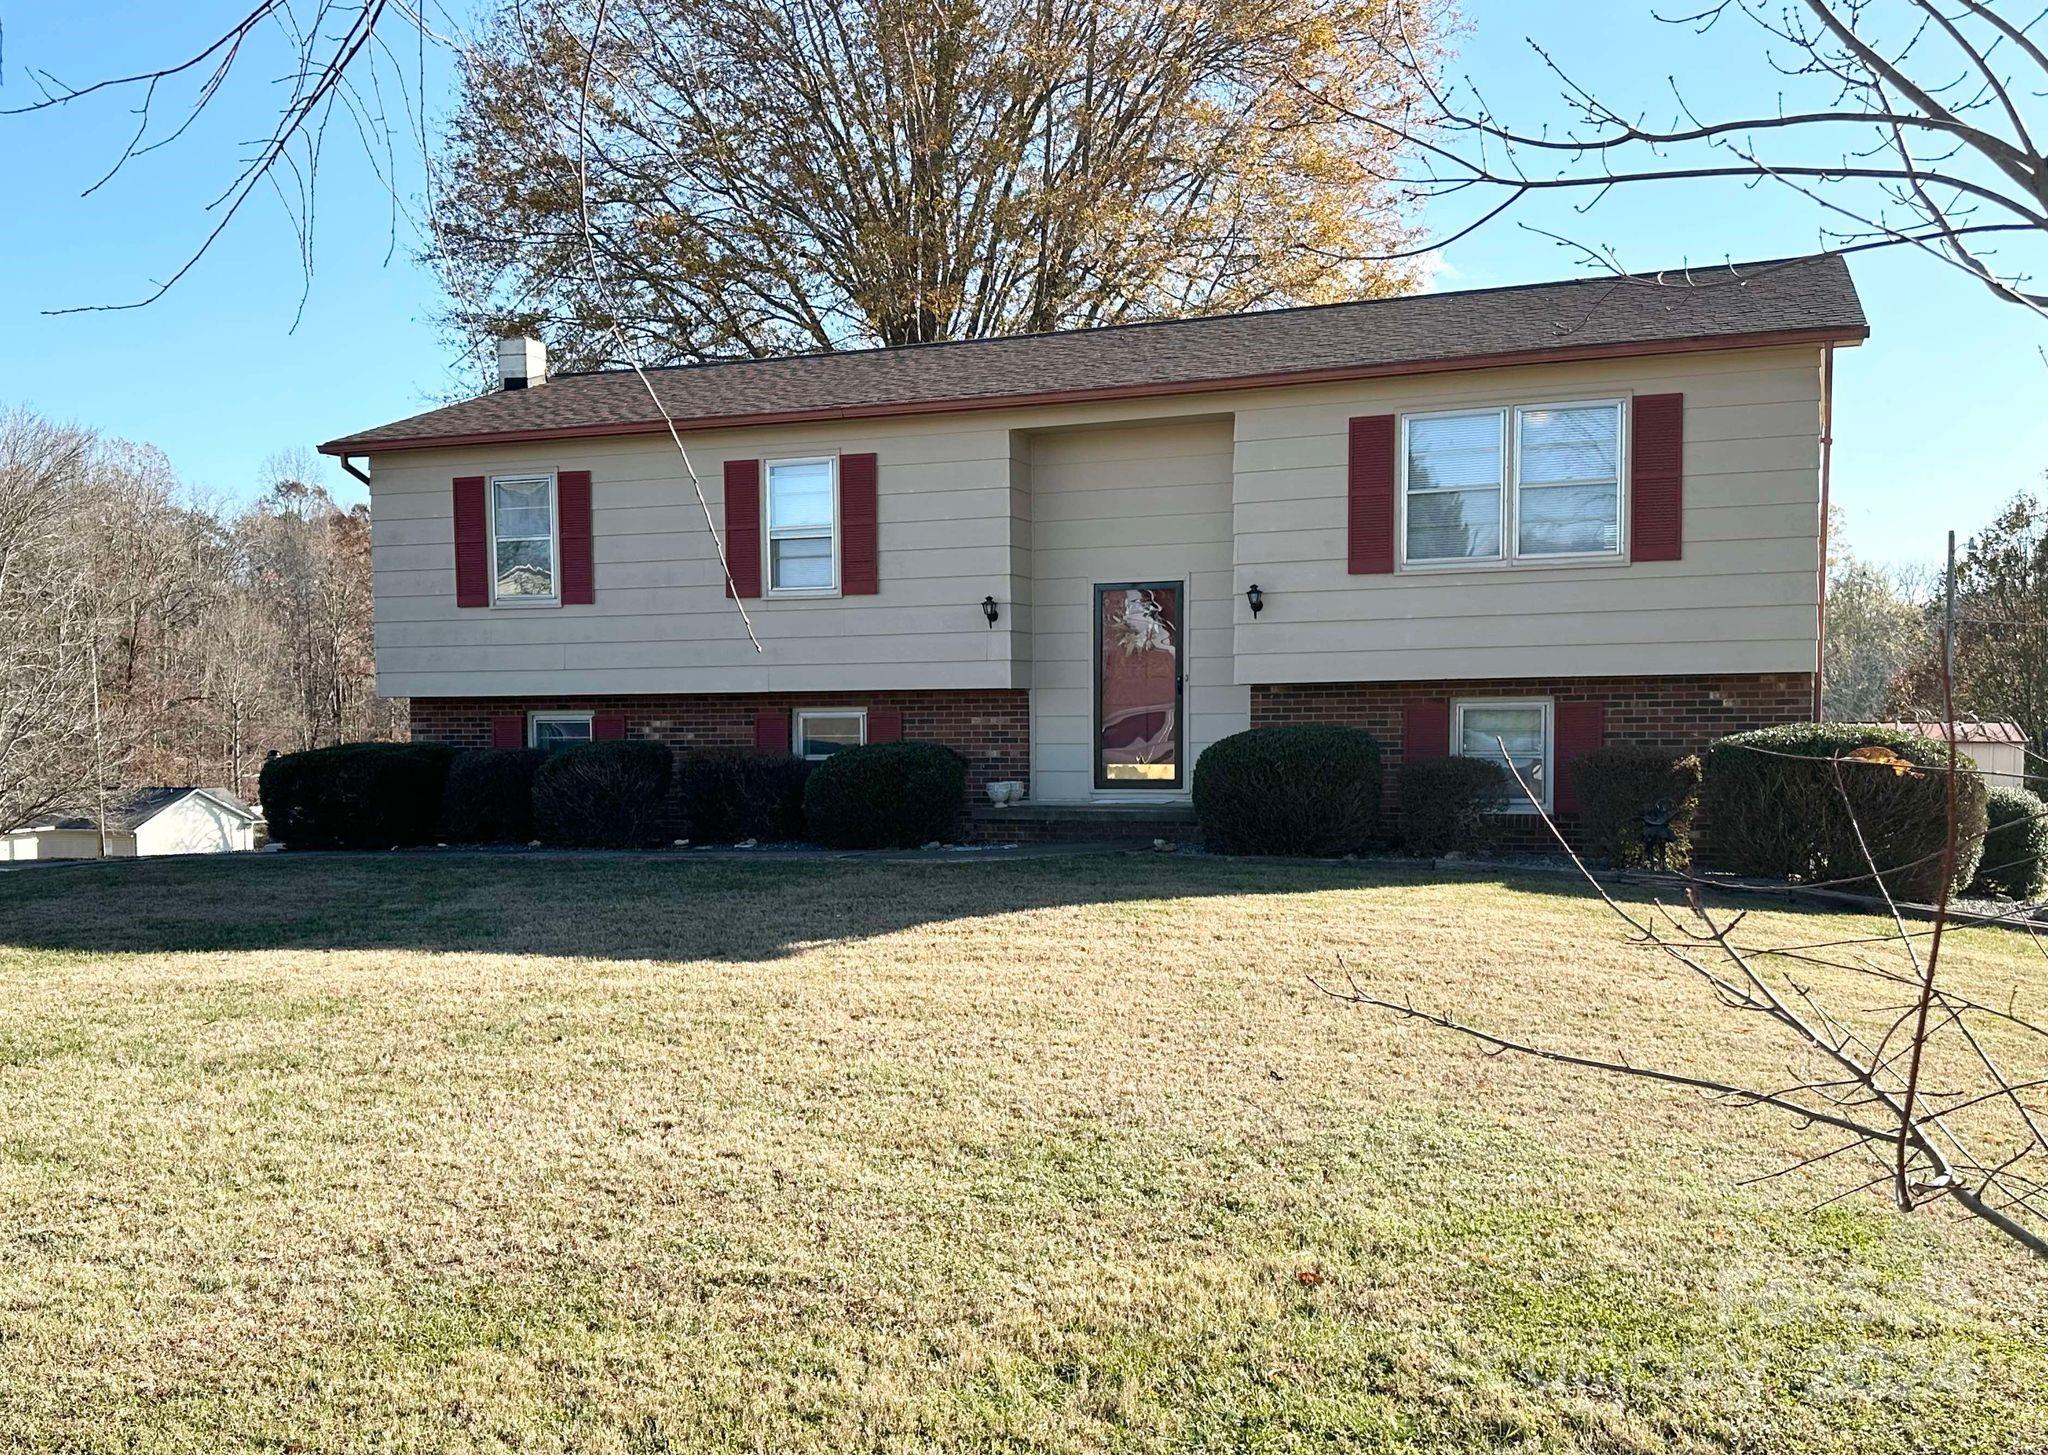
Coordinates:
(2015, 846)
(1313, 788)
(726, 795)
(355, 795)
(610, 795)
(1774, 806)
(885, 796)
(489, 796)
(1617, 785)
(1448, 805)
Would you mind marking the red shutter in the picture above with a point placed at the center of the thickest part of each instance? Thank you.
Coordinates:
(1657, 477)
(885, 725)
(572, 511)
(1370, 495)
(1581, 727)
(1425, 730)
(508, 731)
(771, 732)
(472, 543)
(859, 573)
(607, 727)
(743, 528)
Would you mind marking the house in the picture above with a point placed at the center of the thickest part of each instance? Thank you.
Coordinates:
(1998, 749)
(142, 823)
(1561, 515)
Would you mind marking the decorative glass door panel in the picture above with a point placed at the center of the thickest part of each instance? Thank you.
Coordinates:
(1138, 685)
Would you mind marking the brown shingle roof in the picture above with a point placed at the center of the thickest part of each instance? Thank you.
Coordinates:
(1746, 304)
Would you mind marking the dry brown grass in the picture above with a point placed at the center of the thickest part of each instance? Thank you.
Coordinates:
(539, 1154)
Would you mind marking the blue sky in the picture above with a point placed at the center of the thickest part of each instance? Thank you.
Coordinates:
(1941, 416)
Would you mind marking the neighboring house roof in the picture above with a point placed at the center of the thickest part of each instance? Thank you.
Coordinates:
(1738, 305)
(1968, 732)
(139, 805)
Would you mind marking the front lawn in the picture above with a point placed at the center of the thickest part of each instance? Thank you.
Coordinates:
(472, 1153)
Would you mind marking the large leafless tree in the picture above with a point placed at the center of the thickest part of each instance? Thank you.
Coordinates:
(1906, 123)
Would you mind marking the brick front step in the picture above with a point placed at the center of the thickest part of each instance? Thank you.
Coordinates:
(1053, 822)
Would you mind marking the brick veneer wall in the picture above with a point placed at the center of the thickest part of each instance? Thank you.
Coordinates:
(991, 728)
(1681, 714)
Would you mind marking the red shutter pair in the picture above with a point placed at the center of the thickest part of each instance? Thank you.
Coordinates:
(1580, 728)
(771, 729)
(859, 533)
(1656, 485)
(576, 578)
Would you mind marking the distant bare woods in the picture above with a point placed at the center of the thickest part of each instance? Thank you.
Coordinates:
(149, 637)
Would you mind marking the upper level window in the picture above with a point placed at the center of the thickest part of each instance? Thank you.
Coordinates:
(802, 519)
(553, 730)
(1568, 480)
(1515, 731)
(821, 732)
(523, 538)
(1534, 482)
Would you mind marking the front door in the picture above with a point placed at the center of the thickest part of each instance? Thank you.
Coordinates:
(1138, 685)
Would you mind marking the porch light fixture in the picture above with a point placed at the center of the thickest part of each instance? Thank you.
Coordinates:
(1255, 598)
(988, 609)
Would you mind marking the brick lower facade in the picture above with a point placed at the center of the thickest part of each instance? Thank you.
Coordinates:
(1680, 714)
(990, 728)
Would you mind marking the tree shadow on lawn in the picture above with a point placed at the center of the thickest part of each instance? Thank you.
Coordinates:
(613, 907)
(626, 907)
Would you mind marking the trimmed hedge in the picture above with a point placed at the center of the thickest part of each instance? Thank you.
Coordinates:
(727, 795)
(1617, 785)
(2015, 862)
(1448, 805)
(1774, 807)
(489, 796)
(355, 795)
(885, 796)
(608, 795)
(1311, 788)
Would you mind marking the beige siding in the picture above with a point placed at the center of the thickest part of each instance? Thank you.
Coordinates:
(1140, 502)
(1743, 599)
(662, 621)
(1008, 502)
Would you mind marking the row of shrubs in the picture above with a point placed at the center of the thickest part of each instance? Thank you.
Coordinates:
(608, 795)
(1785, 803)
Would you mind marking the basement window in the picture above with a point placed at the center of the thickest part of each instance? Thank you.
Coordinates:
(554, 731)
(1521, 726)
(821, 732)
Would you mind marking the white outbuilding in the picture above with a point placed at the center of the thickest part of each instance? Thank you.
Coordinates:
(143, 823)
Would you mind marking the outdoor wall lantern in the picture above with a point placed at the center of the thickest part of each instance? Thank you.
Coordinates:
(1255, 598)
(988, 609)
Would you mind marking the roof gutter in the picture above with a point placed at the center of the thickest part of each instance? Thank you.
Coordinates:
(349, 465)
(1830, 337)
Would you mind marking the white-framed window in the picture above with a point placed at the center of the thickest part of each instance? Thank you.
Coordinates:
(1484, 727)
(1521, 484)
(819, 732)
(556, 730)
(803, 527)
(524, 568)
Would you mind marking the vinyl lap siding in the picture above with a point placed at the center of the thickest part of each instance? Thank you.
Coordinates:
(661, 620)
(1742, 599)
(1009, 502)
